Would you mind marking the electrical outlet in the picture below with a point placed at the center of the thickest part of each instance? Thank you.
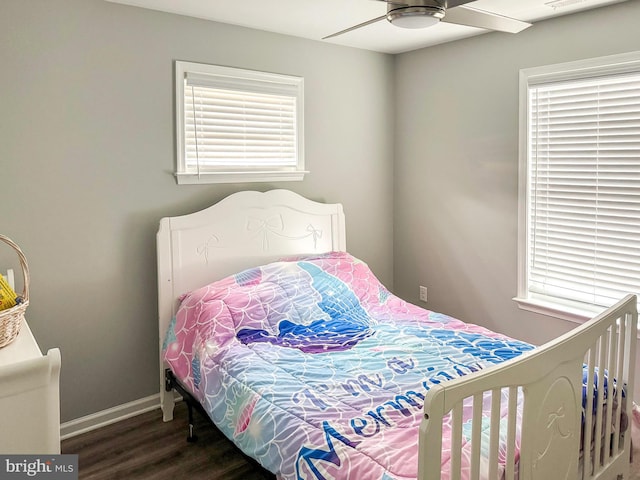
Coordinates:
(423, 294)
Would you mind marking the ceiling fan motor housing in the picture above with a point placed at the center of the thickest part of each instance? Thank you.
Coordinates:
(415, 13)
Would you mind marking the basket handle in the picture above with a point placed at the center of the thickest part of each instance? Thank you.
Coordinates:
(23, 264)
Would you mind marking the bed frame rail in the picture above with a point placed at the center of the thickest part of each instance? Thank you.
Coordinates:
(547, 382)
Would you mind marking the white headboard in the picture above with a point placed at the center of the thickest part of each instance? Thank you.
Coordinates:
(244, 230)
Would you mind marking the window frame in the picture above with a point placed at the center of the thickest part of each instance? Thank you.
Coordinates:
(237, 174)
(583, 69)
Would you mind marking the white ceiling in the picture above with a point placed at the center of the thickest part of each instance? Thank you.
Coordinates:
(316, 19)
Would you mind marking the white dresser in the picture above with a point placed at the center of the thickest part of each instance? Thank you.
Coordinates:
(29, 397)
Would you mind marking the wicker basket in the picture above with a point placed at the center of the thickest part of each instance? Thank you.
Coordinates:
(11, 318)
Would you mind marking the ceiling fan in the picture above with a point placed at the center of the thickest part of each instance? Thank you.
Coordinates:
(425, 13)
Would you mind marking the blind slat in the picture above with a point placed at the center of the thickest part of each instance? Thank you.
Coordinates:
(584, 189)
(243, 119)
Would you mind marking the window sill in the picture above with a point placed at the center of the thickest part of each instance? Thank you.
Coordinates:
(572, 313)
(239, 177)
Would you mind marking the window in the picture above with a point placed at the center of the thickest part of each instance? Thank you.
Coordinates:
(579, 232)
(237, 125)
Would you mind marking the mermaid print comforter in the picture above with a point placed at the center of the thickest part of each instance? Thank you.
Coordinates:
(312, 367)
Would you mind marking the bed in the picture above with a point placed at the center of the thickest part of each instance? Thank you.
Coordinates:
(314, 369)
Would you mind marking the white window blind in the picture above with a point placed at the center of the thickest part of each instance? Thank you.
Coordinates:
(583, 218)
(240, 125)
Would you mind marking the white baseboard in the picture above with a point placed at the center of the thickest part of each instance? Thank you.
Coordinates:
(109, 416)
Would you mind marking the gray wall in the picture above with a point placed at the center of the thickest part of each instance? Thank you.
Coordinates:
(456, 173)
(87, 151)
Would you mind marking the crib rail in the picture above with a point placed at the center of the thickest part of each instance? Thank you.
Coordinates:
(525, 419)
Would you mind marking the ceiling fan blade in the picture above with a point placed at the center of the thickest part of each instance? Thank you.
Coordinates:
(364, 24)
(455, 3)
(472, 17)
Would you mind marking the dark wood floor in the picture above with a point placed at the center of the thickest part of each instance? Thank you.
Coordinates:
(145, 447)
